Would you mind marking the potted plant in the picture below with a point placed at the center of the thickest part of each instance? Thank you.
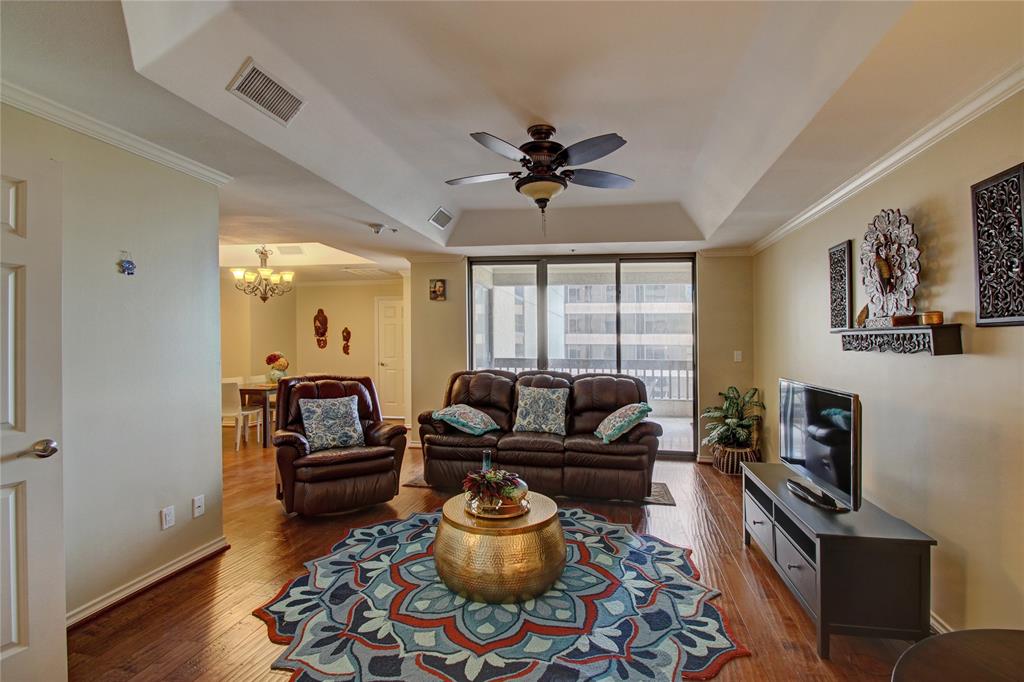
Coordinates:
(495, 493)
(733, 429)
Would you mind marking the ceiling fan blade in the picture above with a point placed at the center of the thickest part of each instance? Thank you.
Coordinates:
(488, 177)
(500, 146)
(590, 149)
(596, 178)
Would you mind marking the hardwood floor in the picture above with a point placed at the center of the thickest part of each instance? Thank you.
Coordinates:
(197, 625)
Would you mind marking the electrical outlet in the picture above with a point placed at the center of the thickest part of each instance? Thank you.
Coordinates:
(737, 356)
(198, 506)
(166, 517)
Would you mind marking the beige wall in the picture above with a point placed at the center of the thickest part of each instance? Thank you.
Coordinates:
(139, 359)
(235, 331)
(943, 436)
(438, 332)
(272, 331)
(724, 325)
(346, 305)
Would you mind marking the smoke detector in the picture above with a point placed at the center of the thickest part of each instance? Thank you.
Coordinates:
(377, 228)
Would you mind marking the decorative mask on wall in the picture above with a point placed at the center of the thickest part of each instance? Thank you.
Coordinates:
(320, 328)
(890, 264)
(346, 336)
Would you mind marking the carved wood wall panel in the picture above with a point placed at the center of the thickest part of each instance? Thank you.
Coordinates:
(895, 342)
(999, 248)
(840, 285)
(890, 265)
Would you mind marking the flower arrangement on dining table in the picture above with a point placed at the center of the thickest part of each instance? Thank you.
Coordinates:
(278, 363)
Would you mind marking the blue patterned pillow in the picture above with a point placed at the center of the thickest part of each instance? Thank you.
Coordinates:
(331, 422)
(541, 410)
(466, 418)
(621, 420)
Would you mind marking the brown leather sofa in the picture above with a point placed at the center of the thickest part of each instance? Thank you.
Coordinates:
(578, 464)
(341, 478)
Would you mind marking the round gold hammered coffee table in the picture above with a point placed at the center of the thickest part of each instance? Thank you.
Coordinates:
(500, 561)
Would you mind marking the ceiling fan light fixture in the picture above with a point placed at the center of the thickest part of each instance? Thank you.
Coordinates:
(541, 189)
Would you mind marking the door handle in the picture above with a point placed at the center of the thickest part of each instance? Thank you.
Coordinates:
(46, 447)
(383, 364)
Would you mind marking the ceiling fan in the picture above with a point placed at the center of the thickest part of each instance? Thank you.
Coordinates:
(541, 159)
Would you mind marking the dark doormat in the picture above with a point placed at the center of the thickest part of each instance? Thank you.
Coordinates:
(660, 494)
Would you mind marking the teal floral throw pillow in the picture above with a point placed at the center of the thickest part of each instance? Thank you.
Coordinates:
(621, 420)
(541, 410)
(466, 418)
(331, 422)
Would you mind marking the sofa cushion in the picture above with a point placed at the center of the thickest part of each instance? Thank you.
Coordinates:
(531, 441)
(595, 396)
(515, 460)
(588, 442)
(463, 440)
(331, 422)
(594, 460)
(541, 409)
(621, 420)
(343, 456)
(492, 392)
(466, 419)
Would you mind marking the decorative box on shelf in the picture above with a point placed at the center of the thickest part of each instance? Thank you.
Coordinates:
(937, 339)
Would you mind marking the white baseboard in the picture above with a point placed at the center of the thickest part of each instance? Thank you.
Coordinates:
(415, 444)
(144, 581)
(940, 626)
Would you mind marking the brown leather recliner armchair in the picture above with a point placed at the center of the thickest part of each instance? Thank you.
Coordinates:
(338, 479)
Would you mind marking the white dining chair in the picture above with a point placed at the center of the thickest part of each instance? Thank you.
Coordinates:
(262, 379)
(232, 411)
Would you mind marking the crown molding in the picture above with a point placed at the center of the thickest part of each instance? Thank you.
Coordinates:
(26, 100)
(436, 258)
(985, 99)
(738, 252)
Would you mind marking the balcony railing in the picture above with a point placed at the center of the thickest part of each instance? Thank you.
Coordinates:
(665, 379)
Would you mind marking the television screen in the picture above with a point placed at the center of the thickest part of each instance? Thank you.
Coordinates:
(819, 432)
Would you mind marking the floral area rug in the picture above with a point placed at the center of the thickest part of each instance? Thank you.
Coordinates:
(627, 607)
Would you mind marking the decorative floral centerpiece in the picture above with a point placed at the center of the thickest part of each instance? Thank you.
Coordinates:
(495, 493)
(278, 363)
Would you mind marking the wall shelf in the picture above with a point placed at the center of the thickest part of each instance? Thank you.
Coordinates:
(941, 339)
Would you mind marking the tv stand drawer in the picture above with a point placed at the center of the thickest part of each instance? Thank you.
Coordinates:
(796, 569)
(759, 525)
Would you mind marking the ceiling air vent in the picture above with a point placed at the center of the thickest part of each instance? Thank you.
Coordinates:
(441, 219)
(258, 88)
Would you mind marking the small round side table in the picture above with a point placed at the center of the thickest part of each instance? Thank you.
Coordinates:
(500, 560)
(964, 656)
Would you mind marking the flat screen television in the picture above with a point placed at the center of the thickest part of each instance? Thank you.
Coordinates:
(819, 433)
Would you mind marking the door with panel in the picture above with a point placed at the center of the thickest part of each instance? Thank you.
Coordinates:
(391, 356)
(34, 643)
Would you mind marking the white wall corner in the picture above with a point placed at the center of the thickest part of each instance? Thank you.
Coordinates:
(26, 100)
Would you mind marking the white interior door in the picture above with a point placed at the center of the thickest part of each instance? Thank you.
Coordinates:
(391, 356)
(34, 641)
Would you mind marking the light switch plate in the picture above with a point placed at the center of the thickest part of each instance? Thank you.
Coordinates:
(166, 517)
(198, 506)
(737, 356)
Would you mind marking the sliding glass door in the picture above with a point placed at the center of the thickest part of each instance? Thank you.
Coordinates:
(623, 314)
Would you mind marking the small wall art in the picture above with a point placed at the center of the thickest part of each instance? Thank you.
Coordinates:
(320, 328)
(438, 290)
(890, 267)
(840, 285)
(999, 249)
(346, 336)
(126, 266)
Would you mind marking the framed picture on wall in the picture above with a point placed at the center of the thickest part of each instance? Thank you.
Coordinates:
(840, 286)
(999, 248)
(438, 290)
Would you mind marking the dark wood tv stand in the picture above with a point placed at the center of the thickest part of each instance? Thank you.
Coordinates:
(863, 573)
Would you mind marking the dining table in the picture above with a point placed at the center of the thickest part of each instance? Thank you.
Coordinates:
(259, 394)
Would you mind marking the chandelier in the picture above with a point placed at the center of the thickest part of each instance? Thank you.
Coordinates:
(263, 282)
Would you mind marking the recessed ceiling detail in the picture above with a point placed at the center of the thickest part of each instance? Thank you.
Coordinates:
(304, 254)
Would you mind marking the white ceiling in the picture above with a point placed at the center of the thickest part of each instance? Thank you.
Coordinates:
(737, 115)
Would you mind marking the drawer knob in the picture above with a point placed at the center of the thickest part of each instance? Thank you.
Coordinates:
(791, 567)
(757, 523)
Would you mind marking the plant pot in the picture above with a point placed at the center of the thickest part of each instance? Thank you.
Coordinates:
(727, 460)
